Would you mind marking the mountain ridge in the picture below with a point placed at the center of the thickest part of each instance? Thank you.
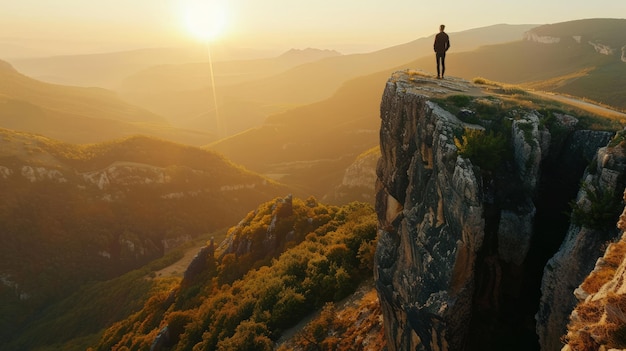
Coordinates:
(78, 213)
(78, 114)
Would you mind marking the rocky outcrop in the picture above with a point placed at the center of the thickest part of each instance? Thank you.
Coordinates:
(241, 244)
(203, 260)
(543, 39)
(598, 321)
(429, 203)
(458, 244)
(602, 48)
(358, 180)
(582, 246)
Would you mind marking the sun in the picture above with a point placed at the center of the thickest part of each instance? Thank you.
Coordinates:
(205, 20)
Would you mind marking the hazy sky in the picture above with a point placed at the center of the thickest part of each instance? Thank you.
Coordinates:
(346, 25)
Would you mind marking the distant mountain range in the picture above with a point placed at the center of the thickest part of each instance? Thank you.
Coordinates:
(177, 84)
(77, 114)
(303, 117)
(108, 69)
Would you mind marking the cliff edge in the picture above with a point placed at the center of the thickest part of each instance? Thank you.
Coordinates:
(471, 188)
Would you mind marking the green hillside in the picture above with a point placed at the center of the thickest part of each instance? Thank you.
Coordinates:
(72, 214)
(244, 301)
(304, 255)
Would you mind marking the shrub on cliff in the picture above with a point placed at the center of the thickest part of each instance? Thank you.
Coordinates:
(251, 310)
(485, 149)
(600, 211)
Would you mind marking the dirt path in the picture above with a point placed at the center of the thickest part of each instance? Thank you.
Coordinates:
(178, 268)
(587, 106)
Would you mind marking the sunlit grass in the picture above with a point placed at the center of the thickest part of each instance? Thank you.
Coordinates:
(516, 96)
(601, 320)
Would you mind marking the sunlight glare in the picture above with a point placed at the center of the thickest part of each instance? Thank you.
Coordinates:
(206, 20)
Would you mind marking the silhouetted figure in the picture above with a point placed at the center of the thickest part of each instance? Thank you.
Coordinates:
(442, 44)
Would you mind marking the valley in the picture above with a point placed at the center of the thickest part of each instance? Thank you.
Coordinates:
(119, 166)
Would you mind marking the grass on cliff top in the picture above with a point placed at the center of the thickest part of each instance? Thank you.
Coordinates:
(601, 275)
(591, 114)
(486, 146)
(511, 102)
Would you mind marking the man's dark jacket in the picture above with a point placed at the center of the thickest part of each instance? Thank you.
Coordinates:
(442, 43)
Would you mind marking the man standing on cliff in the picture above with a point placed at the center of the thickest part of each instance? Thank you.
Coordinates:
(442, 44)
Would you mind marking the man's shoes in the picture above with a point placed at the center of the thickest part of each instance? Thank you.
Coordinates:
(438, 77)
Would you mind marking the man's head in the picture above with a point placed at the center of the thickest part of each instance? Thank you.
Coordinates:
(442, 27)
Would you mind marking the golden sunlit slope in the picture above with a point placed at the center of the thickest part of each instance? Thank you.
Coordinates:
(319, 80)
(303, 84)
(77, 114)
(301, 255)
(90, 102)
(182, 93)
(587, 61)
(311, 146)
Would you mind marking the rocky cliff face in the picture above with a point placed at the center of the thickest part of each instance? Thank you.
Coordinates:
(429, 204)
(583, 245)
(358, 180)
(459, 260)
(599, 320)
